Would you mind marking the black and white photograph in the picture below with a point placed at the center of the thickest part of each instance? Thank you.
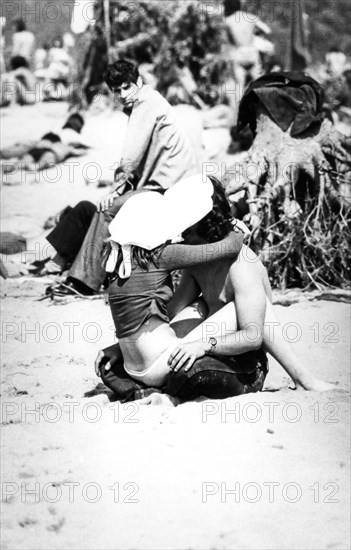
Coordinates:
(175, 261)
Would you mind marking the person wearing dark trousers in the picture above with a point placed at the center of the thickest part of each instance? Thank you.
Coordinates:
(68, 236)
(156, 155)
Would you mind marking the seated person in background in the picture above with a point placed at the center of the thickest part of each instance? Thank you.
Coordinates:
(58, 73)
(51, 149)
(19, 84)
(41, 60)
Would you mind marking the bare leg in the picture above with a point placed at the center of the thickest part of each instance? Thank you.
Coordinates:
(273, 342)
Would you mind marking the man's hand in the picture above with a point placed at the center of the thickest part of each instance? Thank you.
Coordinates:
(107, 357)
(186, 354)
(106, 202)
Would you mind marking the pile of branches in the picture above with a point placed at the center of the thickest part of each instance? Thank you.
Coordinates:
(311, 250)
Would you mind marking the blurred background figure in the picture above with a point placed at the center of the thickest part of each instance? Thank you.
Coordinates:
(60, 62)
(23, 42)
(94, 64)
(19, 84)
(265, 47)
(336, 62)
(40, 60)
(245, 38)
(59, 72)
(68, 42)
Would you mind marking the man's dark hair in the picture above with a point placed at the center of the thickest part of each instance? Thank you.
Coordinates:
(231, 6)
(75, 122)
(121, 72)
(20, 25)
(217, 224)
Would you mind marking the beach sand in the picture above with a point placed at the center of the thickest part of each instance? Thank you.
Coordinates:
(261, 471)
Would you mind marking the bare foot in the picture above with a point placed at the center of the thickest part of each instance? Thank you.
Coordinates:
(316, 385)
(159, 399)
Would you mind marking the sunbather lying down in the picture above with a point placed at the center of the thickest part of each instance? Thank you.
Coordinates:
(51, 149)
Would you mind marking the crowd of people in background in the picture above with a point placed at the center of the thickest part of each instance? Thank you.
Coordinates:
(33, 72)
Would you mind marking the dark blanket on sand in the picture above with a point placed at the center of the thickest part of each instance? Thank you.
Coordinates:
(289, 98)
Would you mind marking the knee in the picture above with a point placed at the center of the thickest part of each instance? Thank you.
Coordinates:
(85, 207)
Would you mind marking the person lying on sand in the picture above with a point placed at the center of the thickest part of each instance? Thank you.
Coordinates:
(51, 149)
(221, 357)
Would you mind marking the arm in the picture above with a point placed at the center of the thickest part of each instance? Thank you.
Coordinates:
(250, 307)
(185, 294)
(179, 256)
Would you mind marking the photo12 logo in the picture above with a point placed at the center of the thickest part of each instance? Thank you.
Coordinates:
(52, 12)
(270, 412)
(69, 491)
(69, 412)
(269, 491)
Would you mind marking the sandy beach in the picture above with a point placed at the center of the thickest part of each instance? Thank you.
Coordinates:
(80, 471)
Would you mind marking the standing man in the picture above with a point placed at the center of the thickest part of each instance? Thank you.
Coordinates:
(156, 154)
(241, 50)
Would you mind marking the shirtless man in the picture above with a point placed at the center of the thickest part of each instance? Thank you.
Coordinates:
(240, 50)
